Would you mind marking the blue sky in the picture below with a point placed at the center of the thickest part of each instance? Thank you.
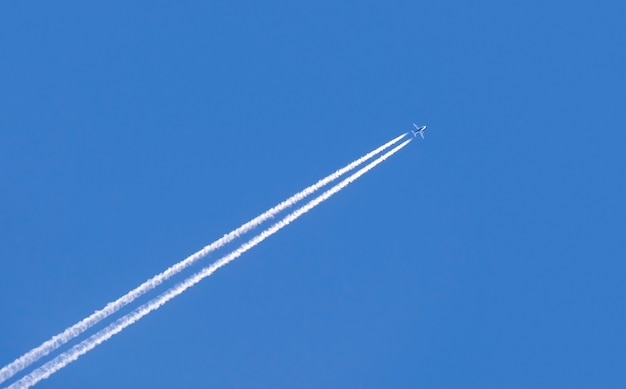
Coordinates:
(491, 254)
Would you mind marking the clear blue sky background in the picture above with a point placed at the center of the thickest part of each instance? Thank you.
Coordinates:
(489, 255)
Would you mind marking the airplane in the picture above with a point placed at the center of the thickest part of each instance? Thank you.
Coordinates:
(418, 130)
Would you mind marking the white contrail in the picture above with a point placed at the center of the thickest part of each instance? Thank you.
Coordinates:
(63, 337)
(116, 327)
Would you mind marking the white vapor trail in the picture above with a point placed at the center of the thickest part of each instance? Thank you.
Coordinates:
(71, 332)
(116, 327)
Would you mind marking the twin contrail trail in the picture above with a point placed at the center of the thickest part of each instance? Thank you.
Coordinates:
(71, 332)
(116, 327)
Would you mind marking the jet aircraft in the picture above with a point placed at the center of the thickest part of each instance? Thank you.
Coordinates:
(418, 130)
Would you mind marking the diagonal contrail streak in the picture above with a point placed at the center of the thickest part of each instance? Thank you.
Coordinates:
(116, 327)
(71, 332)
